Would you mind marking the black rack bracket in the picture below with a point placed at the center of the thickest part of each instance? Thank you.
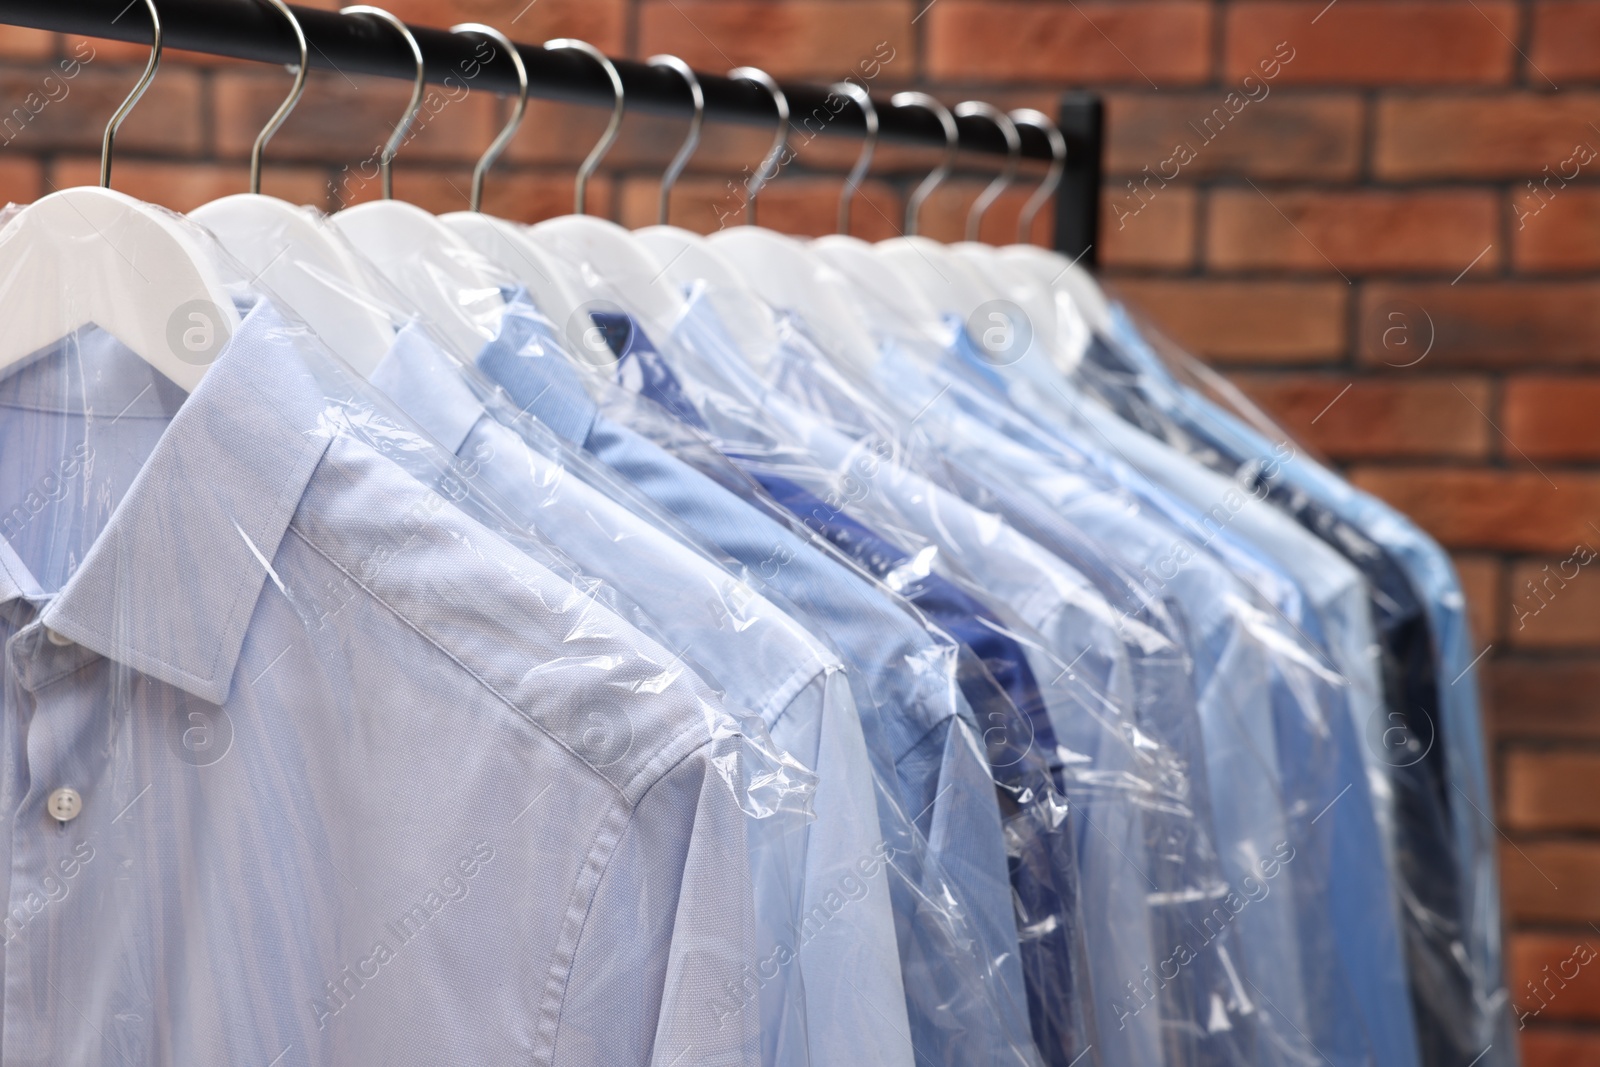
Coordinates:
(1081, 117)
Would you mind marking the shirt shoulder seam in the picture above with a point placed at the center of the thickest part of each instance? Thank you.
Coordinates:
(474, 675)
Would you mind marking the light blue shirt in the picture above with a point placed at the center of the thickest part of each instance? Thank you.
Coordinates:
(361, 780)
(842, 932)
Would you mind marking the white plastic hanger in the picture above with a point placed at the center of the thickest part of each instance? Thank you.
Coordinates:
(289, 249)
(785, 272)
(448, 282)
(609, 253)
(504, 243)
(94, 256)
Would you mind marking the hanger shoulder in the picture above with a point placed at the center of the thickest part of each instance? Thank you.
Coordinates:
(690, 260)
(506, 244)
(318, 277)
(790, 277)
(617, 259)
(91, 256)
(447, 282)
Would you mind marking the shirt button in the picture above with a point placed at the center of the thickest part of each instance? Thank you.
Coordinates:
(59, 640)
(65, 803)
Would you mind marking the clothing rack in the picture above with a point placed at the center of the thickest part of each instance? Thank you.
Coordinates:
(248, 29)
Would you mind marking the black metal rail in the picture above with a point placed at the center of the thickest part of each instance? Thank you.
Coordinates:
(247, 29)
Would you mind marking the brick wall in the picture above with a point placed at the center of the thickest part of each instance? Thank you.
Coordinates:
(1380, 216)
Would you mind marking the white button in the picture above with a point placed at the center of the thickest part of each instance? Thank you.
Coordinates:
(65, 803)
(59, 640)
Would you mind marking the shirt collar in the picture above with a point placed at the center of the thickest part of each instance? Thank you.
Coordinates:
(525, 360)
(171, 584)
(429, 387)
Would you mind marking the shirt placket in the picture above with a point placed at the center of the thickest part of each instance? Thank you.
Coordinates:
(51, 807)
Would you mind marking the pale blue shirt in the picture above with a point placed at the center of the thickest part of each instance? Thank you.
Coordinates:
(361, 780)
(843, 928)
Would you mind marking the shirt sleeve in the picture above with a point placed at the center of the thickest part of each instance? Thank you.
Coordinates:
(660, 973)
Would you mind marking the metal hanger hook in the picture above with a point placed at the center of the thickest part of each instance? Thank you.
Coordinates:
(1007, 175)
(852, 182)
(126, 106)
(952, 144)
(1027, 116)
(592, 162)
(780, 141)
(669, 177)
(386, 158)
(481, 171)
(289, 102)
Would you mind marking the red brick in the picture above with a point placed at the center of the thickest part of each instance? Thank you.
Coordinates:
(1549, 790)
(20, 180)
(529, 196)
(1551, 881)
(806, 206)
(1555, 602)
(342, 121)
(1480, 324)
(816, 39)
(1547, 699)
(1554, 229)
(166, 120)
(1563, 971)
(1160, 235)
(1511, 510)
(1373, 42)
(1248, 322)
(17, 42)
(1553, 417)
(1511, 135)
(185, 186)
(1438, 230)
(559, 133)
(1480, 581)
(1562, 44)
(1376, 419)
(1156, 43)
(102, 50)
(1544, 1048)
(1285, 135)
